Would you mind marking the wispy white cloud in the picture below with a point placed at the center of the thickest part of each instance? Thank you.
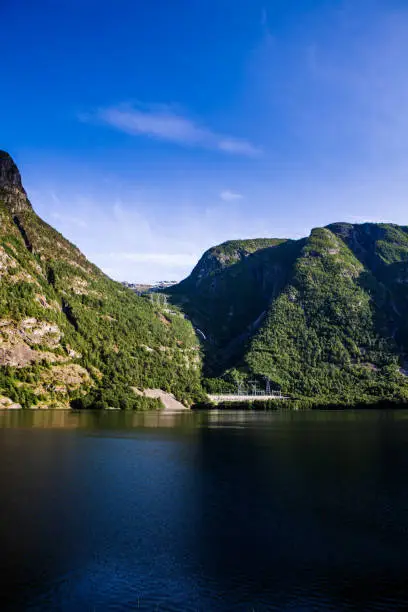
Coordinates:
(369, 82)
(237, 147)
(163, 123)
(171, 260)
(135, 239)
(69, 219)
(336, 89)
(230, 196)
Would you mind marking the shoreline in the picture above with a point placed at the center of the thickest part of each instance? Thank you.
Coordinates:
(297, 405)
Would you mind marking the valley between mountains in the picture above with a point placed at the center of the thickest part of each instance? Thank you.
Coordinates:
(323, 319)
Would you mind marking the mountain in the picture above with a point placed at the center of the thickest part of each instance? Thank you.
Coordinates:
(229, 291)
(69, 335)
(324, 317)
(142, 288)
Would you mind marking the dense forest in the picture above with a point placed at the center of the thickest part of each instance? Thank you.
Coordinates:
(324, 318)
(70, 336)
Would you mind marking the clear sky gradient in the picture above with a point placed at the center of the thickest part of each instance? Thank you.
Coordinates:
(148, 130)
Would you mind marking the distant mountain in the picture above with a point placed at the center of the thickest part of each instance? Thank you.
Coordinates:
(323, 317)
(71, 336)
(142, 288)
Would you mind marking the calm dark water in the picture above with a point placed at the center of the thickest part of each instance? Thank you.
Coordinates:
(204, 511)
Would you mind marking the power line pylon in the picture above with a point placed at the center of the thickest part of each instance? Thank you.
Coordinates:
(254, 384)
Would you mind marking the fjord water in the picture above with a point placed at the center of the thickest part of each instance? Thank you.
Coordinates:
(204, 511)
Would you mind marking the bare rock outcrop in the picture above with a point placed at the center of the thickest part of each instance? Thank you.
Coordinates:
(17, 342)
(17, 356)
(7, 404)
(11, 187)
(167, 399)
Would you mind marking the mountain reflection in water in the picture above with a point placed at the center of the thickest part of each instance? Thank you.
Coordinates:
(204, 511)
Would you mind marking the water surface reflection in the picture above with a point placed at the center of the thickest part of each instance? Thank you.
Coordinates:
(204, 511)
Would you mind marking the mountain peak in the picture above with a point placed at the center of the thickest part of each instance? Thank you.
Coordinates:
(12, 191)
(9, 173)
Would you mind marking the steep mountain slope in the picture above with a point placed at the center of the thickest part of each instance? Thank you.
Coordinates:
(69, 334)
(228, 294)
(324, 317)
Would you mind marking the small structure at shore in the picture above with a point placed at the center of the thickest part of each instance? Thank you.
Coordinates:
(250, 393)
(221, 399)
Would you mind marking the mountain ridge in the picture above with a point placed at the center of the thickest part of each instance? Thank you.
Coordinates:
(320, 317)
(323, 318)
(69, 335)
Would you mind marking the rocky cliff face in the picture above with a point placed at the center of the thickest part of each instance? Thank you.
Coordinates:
(11, 187)
(229, 253)
(70, 334)
(229, 292)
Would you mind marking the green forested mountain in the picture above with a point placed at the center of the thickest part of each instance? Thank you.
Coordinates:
(324, 317)
(69, 334)
(229, 291)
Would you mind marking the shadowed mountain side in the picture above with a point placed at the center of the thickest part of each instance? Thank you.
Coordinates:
(228, 294)
(323, 317)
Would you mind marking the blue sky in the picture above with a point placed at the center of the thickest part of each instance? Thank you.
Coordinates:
(147, 131)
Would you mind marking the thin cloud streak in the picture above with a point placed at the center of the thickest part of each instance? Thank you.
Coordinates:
(173, 260)
(132, 240)
(162, 123)
(69, 220)
(338, 93)
(230, 196)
